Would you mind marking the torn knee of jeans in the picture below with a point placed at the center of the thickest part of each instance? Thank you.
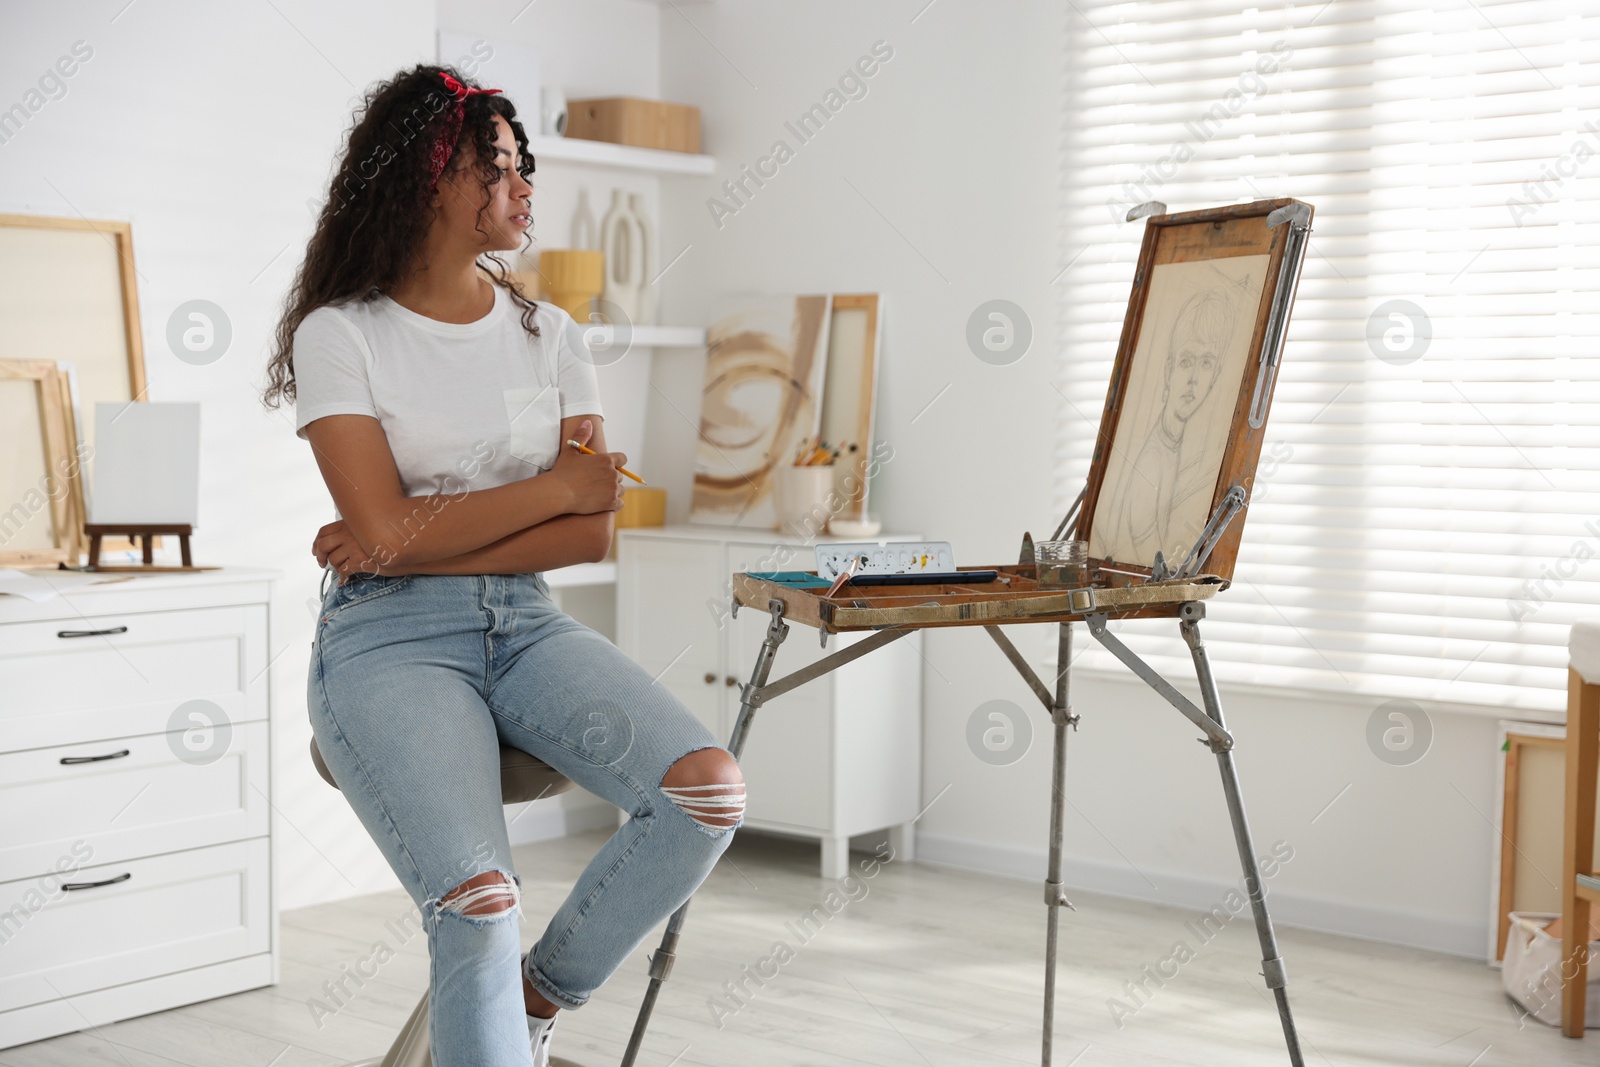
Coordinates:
(706, 785)
(715, 807)
(483, 899)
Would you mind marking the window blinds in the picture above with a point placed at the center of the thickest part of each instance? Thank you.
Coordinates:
(1426, 517)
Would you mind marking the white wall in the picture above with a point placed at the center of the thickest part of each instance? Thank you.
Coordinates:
(940, 189)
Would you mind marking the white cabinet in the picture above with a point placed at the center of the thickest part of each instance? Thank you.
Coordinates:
(135, 800)
(838, 756)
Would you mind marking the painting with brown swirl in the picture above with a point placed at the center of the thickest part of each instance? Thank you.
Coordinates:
(765, 361)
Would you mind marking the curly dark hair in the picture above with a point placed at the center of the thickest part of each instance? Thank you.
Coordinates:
(378, 209)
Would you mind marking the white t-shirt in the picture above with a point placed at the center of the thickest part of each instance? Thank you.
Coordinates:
(465, 406)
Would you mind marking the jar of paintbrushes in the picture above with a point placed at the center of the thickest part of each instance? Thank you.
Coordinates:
(803, 498)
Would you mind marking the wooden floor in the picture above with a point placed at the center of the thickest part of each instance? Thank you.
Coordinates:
(919, 965)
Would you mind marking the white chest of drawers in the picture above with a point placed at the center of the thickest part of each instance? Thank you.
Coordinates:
(135, 800)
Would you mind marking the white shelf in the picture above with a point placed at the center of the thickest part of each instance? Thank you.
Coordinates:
(582, 574)
(669, 336)
(604, 154)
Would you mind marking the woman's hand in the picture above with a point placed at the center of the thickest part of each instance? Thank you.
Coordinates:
(335, 544)
(593, 481)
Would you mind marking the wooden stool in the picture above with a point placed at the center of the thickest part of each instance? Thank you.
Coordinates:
(524, 778)
(1580, 884)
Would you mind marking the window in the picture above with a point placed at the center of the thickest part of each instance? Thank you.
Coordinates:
(1426, 517)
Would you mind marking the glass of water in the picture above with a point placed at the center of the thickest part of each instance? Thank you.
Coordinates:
(1062, 564)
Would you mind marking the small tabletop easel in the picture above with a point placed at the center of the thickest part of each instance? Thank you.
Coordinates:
(148, 532)
(1190, 390)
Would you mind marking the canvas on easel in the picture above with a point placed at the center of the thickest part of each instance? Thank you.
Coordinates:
(1178, 412)
(1181, 433)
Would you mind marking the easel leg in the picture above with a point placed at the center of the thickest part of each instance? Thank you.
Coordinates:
(1272, 967)
(661, 959)
(1062, 717)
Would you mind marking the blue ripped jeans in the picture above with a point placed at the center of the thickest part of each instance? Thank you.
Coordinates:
(415, 682)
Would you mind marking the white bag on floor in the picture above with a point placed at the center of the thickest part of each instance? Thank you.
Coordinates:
(1531, 974)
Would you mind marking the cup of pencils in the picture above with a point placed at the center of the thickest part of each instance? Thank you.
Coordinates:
(803, 498)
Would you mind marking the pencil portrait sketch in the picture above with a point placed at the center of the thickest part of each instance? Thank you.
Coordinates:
(1178, 409)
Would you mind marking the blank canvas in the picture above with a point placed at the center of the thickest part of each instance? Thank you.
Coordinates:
(147, 464)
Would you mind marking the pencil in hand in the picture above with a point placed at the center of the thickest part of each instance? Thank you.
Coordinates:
(591, 452)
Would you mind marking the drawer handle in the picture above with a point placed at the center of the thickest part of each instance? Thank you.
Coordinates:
(93, 759)
(123, 877)
(92, 633)
(710, 678)
(730, 681)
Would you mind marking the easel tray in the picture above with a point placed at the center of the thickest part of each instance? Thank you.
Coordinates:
(1013, 596)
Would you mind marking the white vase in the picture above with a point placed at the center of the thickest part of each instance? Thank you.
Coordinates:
(647, 260)
(553, 112)
(585, 231)
(619, 241)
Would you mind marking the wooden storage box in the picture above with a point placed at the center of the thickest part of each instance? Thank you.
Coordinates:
(632, 120)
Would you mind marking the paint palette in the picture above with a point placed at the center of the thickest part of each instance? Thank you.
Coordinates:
(885, 557)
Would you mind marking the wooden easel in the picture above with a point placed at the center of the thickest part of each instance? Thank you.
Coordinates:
(1118, 588)
(147, 532)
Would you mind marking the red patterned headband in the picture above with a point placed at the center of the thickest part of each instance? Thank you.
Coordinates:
(445, 145)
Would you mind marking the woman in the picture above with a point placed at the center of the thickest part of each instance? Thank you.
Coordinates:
(437, 415)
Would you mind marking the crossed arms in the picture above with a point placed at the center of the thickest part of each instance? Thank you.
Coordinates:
(558, 518)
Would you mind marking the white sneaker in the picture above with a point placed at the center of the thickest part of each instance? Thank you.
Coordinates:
(539, 1033)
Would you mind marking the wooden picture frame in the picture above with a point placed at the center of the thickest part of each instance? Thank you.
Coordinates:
(69, 291)
(849, 394)
(51, 484)
(1176, 310)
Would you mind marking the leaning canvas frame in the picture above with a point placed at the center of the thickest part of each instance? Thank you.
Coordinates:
(1195, 269)
(51, 489)
(1530, 802)
(849, 396)
(77, 540)
(69, 291)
